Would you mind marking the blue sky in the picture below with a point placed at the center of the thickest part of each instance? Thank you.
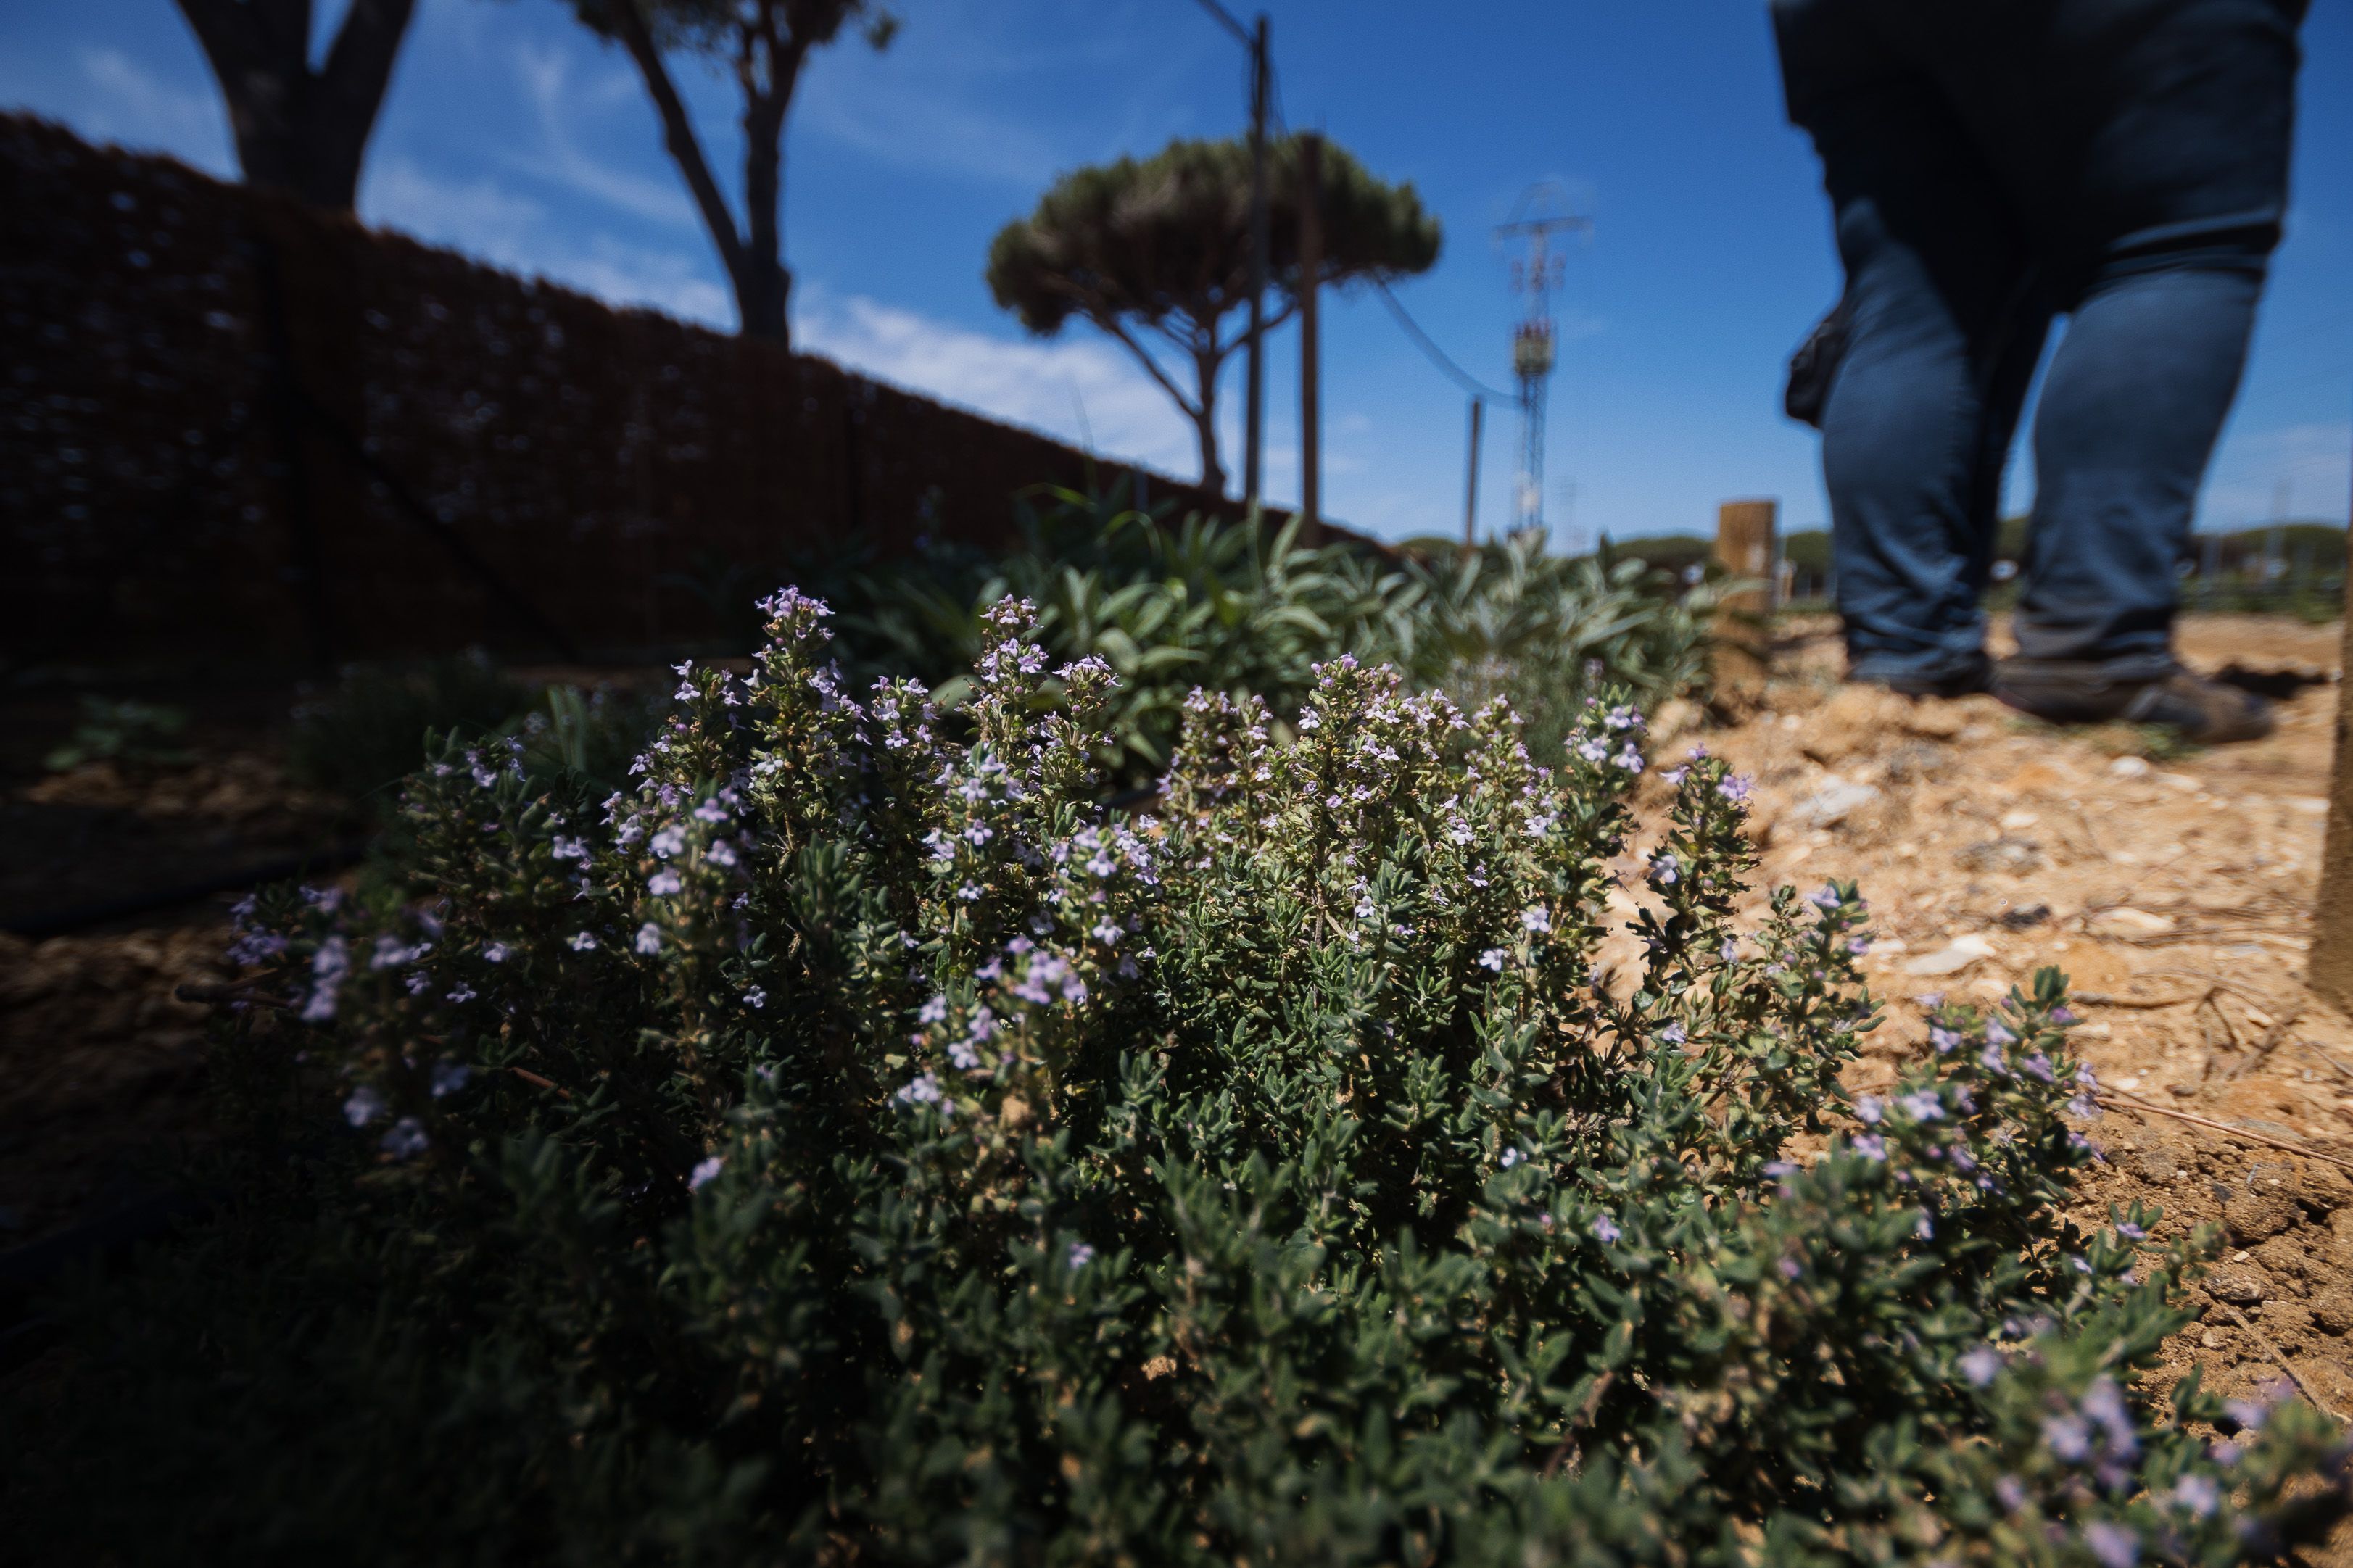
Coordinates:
(511, 133)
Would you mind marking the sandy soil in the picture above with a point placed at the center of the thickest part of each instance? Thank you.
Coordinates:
(2176, 896)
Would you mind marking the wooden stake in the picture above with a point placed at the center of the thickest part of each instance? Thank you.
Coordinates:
(1744, 548)
(2331, 961)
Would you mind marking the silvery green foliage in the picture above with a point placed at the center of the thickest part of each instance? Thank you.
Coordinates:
(850, 1145)
(1175, 607)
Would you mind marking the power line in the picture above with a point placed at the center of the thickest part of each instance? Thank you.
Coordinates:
(1226, 19)
(1437, 356)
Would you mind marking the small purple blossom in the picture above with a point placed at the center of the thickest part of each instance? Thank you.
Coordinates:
(405, 1138)
(449, 1076)
(2112, 1545)
(1981, 1365)
(1605, 1229)
(1080, 1255)
(2069, 1438)
(363, 1107)
(704, 1169)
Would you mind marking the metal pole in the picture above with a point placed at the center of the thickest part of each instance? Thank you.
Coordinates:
(1470, 480)
(1311, 265)
(1255, 413)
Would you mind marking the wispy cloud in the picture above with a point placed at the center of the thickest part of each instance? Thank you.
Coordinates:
(1081, 390)
(117, 99)
(547, 82)
(482, 218)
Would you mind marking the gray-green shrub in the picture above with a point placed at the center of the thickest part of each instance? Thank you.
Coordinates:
(850, 1145)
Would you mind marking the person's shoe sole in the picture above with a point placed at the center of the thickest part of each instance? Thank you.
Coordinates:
(2203, 712)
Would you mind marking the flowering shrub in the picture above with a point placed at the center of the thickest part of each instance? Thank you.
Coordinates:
(1173, 606)
(853, 1145)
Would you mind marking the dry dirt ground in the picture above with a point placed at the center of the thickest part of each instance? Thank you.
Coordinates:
(2176, 896)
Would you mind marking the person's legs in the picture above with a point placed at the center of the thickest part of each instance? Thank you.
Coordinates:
(1943, 334)
(2130, 412)
(2166, 220)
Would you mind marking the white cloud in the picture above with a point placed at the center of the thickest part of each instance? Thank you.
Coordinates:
(121, 101)
(1083, 390)
(485, 220)
(905, 125)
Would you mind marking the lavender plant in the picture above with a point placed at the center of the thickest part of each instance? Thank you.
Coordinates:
(853, 1143)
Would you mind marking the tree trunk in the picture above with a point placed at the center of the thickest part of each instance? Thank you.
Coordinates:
(763, 286)
(1205, 422)
(296, 129)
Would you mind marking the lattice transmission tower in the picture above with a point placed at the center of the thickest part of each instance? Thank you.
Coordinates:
(1539, 269)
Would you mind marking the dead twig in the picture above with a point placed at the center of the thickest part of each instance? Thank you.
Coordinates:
(536, 1081)
(2278, 1360)
(1567, 1449)
(2263, 1049)
(2110, 999)
(2133, 1102)
(2342, 1071)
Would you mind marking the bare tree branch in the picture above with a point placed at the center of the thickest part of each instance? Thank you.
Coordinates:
(677, 133)
(358, 65)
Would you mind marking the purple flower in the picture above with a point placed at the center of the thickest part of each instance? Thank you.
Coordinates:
(1736, 788)
(1981, 1365)
(1870, 1146)
(924, 1089)
(1673, 1035)
(448, 1078)
(1080, 1255)
(702, 1173)
(1999, 1034)
(2037, 1066)
(1605, 1229)
(2069, 1438)
(2012, 1495)
(2198, 1494)
(755, 998)
(1492, 959)
(496, 952)
(1869, 1110)
(1536, 918)
(1823, 897)
(1944, 1039)
(2112, 1545)
(650, 939)
(1923, 1105)
(2131, 1232)
(1730, 950)
(583, 941)
(405, 1138)
(663, 883)
(363, 1107)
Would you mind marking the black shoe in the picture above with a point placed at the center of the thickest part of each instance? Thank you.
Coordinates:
(1966, 680)
(2204, 712)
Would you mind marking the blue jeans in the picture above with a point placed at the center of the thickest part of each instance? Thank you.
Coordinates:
(1992, 164)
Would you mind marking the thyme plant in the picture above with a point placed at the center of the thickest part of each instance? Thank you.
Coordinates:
(853, 1145)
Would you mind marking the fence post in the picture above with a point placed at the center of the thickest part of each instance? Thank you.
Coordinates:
(2330, 965)
(1744, 531)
